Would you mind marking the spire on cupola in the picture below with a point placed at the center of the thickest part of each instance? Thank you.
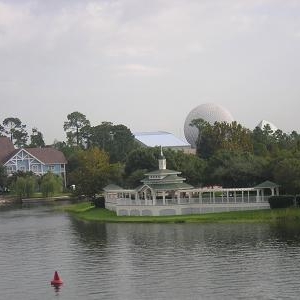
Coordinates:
(162, 164)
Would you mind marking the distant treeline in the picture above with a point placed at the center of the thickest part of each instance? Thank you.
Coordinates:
(229, 155)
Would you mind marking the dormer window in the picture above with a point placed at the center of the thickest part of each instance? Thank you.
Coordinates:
(156, 177)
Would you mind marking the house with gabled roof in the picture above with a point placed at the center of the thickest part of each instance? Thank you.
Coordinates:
(38, 160)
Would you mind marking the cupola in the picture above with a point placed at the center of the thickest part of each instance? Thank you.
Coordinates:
(162, 164)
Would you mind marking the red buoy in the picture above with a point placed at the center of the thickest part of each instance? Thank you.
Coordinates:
(56, 279)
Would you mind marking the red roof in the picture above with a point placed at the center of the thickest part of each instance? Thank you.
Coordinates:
(6, 148)
(47, 155)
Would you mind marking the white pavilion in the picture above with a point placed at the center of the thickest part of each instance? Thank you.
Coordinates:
(163, 192)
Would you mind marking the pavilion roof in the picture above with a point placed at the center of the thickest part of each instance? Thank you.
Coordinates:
(112, 188)
(170, 186)
(162, 172)
(266, 184)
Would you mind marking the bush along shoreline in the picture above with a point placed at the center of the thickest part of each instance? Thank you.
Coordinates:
(88, 212)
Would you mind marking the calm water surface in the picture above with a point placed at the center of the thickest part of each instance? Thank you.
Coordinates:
(144, 261)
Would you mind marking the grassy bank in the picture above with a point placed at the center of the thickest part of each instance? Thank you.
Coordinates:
(87, 212)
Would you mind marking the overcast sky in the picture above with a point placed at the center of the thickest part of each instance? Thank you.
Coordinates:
(147, 64)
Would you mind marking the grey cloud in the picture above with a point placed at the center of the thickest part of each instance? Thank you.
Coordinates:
(95, 56)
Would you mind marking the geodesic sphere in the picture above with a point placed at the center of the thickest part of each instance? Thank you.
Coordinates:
(209, 112)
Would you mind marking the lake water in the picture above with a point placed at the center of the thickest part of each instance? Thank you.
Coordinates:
(144, 261)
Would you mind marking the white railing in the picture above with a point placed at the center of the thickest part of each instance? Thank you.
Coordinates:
(205, 200)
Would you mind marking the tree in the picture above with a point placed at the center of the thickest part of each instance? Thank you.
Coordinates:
(24, 186)
(51, 184)
(14, 128)
(76, 128)
(2, 129)
(287, 174)
(134, 179)
(36, 138)
(93, 171)
(117, 140)
(191, 166)
(141, 159)
(221, 136)
(204, 145)
(3, 176)
(236, 169)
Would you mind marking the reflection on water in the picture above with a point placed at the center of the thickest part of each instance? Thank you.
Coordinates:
(145, 261)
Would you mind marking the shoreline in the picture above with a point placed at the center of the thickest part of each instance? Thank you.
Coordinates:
(7, 201)
(85, 211)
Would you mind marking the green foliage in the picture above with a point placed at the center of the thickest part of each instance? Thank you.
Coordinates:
(71, 154)
(51, 184)
(268, 143)
(24, 186)
(77, 128)
(14, 128)
(98, 201)
(134, 179)
(3, 176)
(191, 166)
(116, 140)
(36, 139)
(141, 159)
(93, 171)
(287, 174)
(221, 136)
(236, 169)
(87, 212)
(283, 201)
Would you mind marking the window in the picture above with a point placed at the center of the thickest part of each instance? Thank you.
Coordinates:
(35, 168)
(22, 168)
(9, 169)
(51, 168)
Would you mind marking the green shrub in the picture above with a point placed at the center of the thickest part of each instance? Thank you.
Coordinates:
(24, 186)
(98, 201)
(51, 184)
(281, 201)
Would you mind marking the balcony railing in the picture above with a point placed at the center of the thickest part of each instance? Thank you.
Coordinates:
(206, 200)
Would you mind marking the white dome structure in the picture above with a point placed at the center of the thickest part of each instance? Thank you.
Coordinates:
(263, 123)
(210, 113)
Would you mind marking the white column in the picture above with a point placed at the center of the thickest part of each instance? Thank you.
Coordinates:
(154, 199)
(164, 198)
(272, 191)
